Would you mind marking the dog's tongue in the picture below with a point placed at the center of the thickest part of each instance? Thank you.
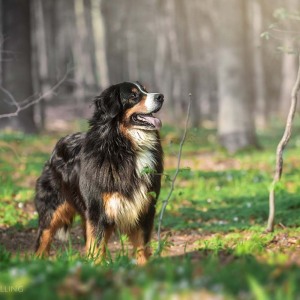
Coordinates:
(151, 120)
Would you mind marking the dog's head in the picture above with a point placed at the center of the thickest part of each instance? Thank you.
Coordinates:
(130, 104)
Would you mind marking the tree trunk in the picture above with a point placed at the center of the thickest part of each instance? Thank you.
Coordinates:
(115, 39)
(100, 44)
(174, 57)
(188, 70)
(288, 75)
(84, 61)
(259, 72)
(43, 83)
(236, 127)
(271, 61)
(78, 53)
(89, 10)
(17, 72)
(289, 63)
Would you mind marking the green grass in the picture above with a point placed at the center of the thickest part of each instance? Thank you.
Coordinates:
(225, 203)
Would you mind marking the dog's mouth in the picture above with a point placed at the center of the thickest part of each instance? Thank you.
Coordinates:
(147, 121)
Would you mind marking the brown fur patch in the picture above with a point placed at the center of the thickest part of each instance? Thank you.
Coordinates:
(134, 90)
(126, 125)
(62, 215)
(107, 198)
(90, 236)
(138, 108)
(45, 241)
(93, 250)
(142, 251)
(124, 130)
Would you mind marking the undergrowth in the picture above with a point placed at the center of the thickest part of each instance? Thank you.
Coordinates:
(221, 199)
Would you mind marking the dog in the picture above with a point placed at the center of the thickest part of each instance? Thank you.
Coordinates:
(109, 175)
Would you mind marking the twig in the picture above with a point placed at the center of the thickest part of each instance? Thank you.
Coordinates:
(166, 201)
(22, 106)
(10, 96)
(282, 144)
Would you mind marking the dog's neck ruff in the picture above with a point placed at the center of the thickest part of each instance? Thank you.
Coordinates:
(143, 139)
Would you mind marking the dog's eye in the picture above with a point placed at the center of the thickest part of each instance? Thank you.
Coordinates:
(134, 96)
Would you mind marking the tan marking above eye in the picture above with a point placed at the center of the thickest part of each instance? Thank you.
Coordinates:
(134, 90)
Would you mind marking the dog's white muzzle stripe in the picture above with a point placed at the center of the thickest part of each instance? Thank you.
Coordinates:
(150, 100)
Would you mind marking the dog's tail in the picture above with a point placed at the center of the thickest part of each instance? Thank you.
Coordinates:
(63, 233)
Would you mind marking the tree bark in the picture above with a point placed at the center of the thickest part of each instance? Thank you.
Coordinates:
(288, 72)
(289, 64)
(43, 83)
(89, 10)
(115, 39)
(100, 44)
(83, 57)
(258, 72)
(188, 69)
(17, 67)
(236, 127)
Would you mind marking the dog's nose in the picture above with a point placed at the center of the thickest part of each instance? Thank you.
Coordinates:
(159, 98)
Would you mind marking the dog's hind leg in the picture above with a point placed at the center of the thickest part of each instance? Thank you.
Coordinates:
(60, 217)
(43, 242)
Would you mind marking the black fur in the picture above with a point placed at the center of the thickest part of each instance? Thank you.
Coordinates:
(86, 166)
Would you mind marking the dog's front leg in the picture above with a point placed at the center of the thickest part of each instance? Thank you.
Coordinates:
(140, 245)
(140, 237)
(96, 240)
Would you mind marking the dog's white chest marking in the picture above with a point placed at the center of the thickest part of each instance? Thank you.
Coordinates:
(145, 163)
(126, 212)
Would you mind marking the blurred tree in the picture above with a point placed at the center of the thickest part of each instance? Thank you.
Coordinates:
(174, 51)
(270, 61)
(189, 69)
(289, 59)
(115, 13)
(236, 127)
(256, 28)
(16, 63)
(202, 18)
(40, 61)
(97, 27)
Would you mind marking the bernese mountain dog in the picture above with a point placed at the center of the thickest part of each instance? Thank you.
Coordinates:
(109, 175)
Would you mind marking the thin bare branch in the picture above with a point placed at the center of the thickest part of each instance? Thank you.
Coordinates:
(282, 144)
(10, 96)
(23, 105)
(166, 201)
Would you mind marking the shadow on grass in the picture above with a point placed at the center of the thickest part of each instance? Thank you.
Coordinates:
(235, 216)
(231, 200)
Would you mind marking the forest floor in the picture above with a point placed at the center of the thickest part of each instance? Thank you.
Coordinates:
(213, 230)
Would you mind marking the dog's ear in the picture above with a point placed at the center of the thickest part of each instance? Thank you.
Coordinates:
(108, 104)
